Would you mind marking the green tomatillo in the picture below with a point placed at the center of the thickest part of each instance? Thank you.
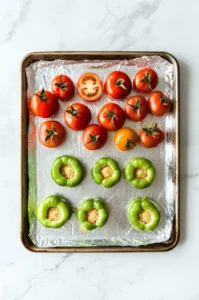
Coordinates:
(139, 172)
(106, 172)
(91, 214)
(53, 211)
(143, 214)
(67, 171)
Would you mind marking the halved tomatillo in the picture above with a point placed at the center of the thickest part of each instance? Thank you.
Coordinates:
(139, 172)
(67, 171)
(143, 214)
(91, 214)
(106, 172)
(53, 211)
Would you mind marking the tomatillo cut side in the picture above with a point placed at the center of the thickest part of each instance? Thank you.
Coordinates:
(53, 211)
(67, 171)
(143, 214)
(106, 172)
(91, 214)
(139, 172)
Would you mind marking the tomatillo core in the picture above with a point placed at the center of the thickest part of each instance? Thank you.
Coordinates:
(143, 214)
(67, 171)
(91, 214)
(106, 172)
(139, 172)
(53, 212)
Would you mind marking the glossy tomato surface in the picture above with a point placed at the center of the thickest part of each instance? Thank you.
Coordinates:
(159, 104)
(151, 136)
(51, 134)
(118, 85)
(94, 137)
(111, 116)
(77, 116)
(145, 80)
(44, 104)
(90, 87)
(136, 108)
(63, 87)
(125, 139)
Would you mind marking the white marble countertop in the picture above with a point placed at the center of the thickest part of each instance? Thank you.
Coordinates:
(167, 25)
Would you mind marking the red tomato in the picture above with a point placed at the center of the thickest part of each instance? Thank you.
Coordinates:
(90, 87)
(145, 80)
(136, 108)
(94, 137)
(63, 87)
(118, 85)
(111, 116)
(44, 104)
(151, 136)
(159, 104)
(77, 116)
(51, 134)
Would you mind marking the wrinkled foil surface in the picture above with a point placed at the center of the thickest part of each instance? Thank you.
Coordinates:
(117, 230)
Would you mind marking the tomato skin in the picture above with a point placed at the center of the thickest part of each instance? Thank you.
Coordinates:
(118, 85)
(77, 116)
(90, 87)
(151, 140)
(136, 108)
(125, 139)
(51, 134)
(159, 104)
(145, 80)
(111, 116)
(62, 87)
(44, 104)
(97, 133)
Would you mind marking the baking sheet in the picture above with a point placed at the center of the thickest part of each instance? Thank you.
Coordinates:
(117, 231)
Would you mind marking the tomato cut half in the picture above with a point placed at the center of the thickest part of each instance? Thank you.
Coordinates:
(90, 87)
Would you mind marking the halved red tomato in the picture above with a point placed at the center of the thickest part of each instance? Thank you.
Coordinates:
(90, 87)
(63, 87)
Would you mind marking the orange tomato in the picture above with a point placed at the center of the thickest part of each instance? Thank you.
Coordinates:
(125, 139)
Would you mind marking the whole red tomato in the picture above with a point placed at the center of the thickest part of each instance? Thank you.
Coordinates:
(111, 116)
(136, 108)
(118, 85)
(63, 87)
(94, 137)
(90, 87)
(151, 136)
(51, 134)
(44, 104)
(145, 80)
(77, 116)
(159, 104)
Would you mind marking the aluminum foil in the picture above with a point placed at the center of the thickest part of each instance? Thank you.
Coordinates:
(117, 230)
